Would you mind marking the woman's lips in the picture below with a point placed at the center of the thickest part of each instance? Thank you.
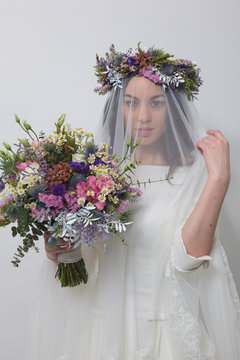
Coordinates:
(144, 131)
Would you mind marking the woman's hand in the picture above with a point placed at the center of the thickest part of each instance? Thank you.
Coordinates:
(215, 149)
(52, 253)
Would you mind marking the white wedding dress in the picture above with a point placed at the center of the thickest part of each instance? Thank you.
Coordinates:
(156, 302)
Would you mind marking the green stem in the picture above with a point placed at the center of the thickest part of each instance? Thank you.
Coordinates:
(35, 134)
(26, 132)
(151, 181)
(124, 158)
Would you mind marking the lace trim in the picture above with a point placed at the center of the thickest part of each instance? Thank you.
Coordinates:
(186, 329)
(234, 294)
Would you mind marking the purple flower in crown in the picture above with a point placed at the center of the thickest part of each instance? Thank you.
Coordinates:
(101, 63)
(132, 61)
(168, 69)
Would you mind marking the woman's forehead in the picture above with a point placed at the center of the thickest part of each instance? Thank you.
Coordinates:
(140, 87)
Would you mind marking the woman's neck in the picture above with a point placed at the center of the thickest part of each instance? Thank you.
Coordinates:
(149, 155)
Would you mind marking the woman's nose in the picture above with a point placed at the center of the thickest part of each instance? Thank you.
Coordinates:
(144, 114)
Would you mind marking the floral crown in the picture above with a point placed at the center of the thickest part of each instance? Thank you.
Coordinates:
(153, 64)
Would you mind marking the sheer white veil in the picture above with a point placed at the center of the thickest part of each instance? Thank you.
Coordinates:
(113, 317)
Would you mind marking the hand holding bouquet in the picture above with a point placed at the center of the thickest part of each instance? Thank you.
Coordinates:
(67, 185)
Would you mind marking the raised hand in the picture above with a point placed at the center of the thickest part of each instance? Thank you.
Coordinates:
(199, 229)
(215, 149)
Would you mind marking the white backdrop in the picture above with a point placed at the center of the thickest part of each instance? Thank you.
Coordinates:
(47, 56)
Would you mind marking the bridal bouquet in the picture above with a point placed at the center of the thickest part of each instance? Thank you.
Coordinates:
(68, 185)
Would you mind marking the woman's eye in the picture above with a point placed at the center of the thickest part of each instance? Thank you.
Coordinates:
(157, 104)
(131, 103)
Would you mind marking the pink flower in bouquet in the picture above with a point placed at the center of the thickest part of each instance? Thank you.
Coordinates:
(123, 205)
(52, 201)
(36, 213)
(71, 200)
(37, 145)
(105, 181)
(91, 189)
(5, 201)
(113, 163)
(135, 190)
(22, 166)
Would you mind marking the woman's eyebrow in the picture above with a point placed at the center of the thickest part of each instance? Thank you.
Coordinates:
(157, 96)
(130, 96)
(152, 98)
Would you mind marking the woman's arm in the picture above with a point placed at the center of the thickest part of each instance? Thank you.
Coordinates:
(198, 231)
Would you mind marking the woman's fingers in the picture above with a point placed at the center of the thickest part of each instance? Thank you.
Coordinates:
(216, 133)
(214, 137)
(202, 144)
(215, 149)
(60, 247)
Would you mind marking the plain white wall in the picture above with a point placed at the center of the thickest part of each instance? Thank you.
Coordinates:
(47, 56)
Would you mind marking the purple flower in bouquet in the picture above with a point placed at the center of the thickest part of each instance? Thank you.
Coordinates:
(99, 162)
(123, 205)
(1, 187)
(75, 179)
(81, 167)
(59, 189)
(52, 201)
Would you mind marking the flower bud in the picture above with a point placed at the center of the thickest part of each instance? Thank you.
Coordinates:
(61, 120)
(3, 153)
(25, 142)
(129, 165)
(21, 157)
(17, 119)
(128, 143)
(26, 125)
(7, 146)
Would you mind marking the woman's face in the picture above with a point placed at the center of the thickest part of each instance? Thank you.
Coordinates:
(145, 106)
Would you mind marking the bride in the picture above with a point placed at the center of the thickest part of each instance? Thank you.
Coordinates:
(168, 294)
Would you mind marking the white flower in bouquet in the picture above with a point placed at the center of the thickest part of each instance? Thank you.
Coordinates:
(78, 158)
(5, 193)
(30, 174)
(67, 128)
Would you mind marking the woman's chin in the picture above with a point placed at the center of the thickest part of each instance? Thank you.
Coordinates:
(145, 141)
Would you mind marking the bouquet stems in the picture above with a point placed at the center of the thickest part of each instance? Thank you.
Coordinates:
(71, 269)
(73, 274)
